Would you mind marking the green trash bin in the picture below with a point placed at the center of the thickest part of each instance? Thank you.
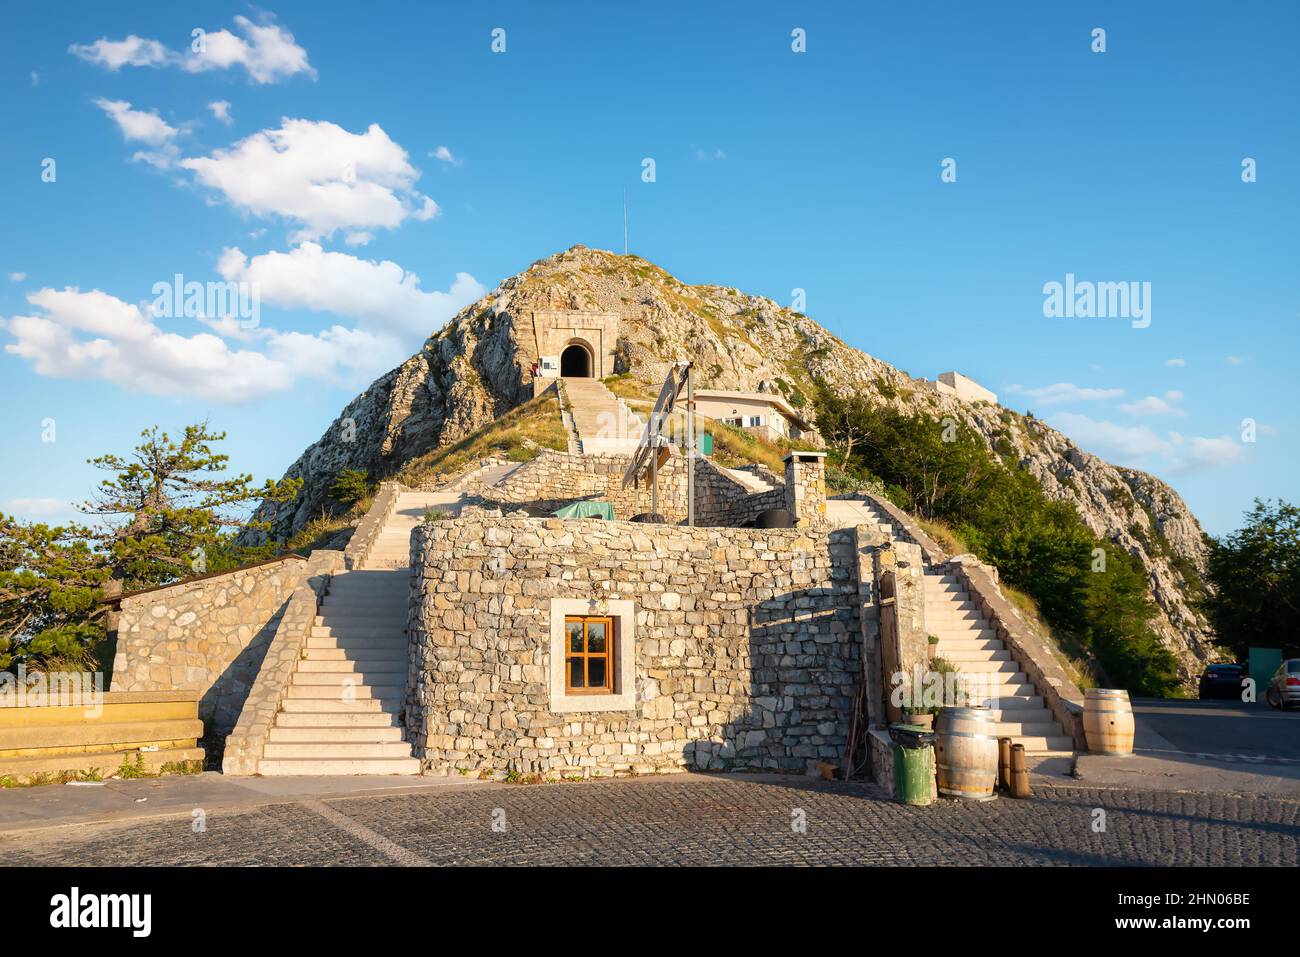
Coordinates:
(913, 763)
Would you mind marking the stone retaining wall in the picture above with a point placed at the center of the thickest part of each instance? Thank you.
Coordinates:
(721, 500)
(207, 635)
(554, 479)
(745, 650)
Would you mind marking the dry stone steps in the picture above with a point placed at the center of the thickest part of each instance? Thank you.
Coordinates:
(972, 646)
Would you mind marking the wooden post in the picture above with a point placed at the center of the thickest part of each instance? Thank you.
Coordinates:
(690, 444)
(1019, 772)
(1004, 763)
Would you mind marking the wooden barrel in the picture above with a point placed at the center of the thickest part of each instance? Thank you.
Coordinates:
(1108, 721)
(966, 752)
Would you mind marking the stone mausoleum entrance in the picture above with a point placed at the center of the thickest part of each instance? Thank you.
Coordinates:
(575, 361)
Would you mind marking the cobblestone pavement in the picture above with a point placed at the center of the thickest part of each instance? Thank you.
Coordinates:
(695, 819)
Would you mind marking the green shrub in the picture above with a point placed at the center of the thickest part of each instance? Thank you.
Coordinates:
(351, 485)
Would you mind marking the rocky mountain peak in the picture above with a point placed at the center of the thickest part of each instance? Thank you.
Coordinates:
(479, 366)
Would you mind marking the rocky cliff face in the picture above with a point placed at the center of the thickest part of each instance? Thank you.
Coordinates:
(476, 368)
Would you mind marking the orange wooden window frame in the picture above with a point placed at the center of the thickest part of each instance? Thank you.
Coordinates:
(585, 656)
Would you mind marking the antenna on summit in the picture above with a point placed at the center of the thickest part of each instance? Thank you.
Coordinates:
(625, 222)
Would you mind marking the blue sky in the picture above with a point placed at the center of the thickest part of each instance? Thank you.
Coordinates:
(321, 180)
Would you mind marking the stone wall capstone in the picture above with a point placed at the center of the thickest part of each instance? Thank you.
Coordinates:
(746, 646)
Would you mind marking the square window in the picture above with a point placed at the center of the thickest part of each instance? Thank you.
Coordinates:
(588, 668)
(592, 655)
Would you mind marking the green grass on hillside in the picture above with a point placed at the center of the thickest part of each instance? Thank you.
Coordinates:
(518, 436)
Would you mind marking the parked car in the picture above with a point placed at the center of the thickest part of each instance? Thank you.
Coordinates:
(1284, 687)
(1222, 681)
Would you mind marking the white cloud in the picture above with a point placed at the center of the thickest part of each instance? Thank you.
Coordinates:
(1139, 445)
(1207, 453)
(337, 354)
(94, 335)
(115, 54)
(1176, 363)
(221, 110)
(444, 154)
(125, 348)
(318, 175)
(1155, 405)
(1111, 440)
(379, 295)
(137, 125)
(1066, 392)
(18, 276)
(36, 78)
(38, 506)
(266, 51)
(1234, 360)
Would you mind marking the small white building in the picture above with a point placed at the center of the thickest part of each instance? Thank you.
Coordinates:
(764, 413)
(968, 390)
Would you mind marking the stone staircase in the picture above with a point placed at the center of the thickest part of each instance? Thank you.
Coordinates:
(601, 420)
(972, 646)
(848, 512)
(752, 482)
(341, 713)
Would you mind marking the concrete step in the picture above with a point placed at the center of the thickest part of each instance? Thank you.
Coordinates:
(349, 766)
(349, 644)
(959, 656)
(106, 763)
(335, 692)
(949, 617)
(1008, 705)
(363, 669)
(296, 704)
(335, 679)
(963, 633)
(99, 736)
(1000, 667)
(1044, 728)
(310, 720)
(964, 604)
(333, 750)
(354, 631)
(968, 644)
(361, 734)
(360, 656)
(350, 614)
(1014, 689)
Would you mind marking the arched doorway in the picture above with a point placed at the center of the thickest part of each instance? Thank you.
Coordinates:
(575, 361)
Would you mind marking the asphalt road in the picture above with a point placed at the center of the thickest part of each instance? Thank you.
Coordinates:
(1224, 730)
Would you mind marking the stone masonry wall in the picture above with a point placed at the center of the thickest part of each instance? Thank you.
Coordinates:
(805, 486)
(721, 500)
(208, 635)
(558, 478)
(746, 646)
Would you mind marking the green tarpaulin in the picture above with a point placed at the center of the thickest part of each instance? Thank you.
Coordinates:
(587, 510)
